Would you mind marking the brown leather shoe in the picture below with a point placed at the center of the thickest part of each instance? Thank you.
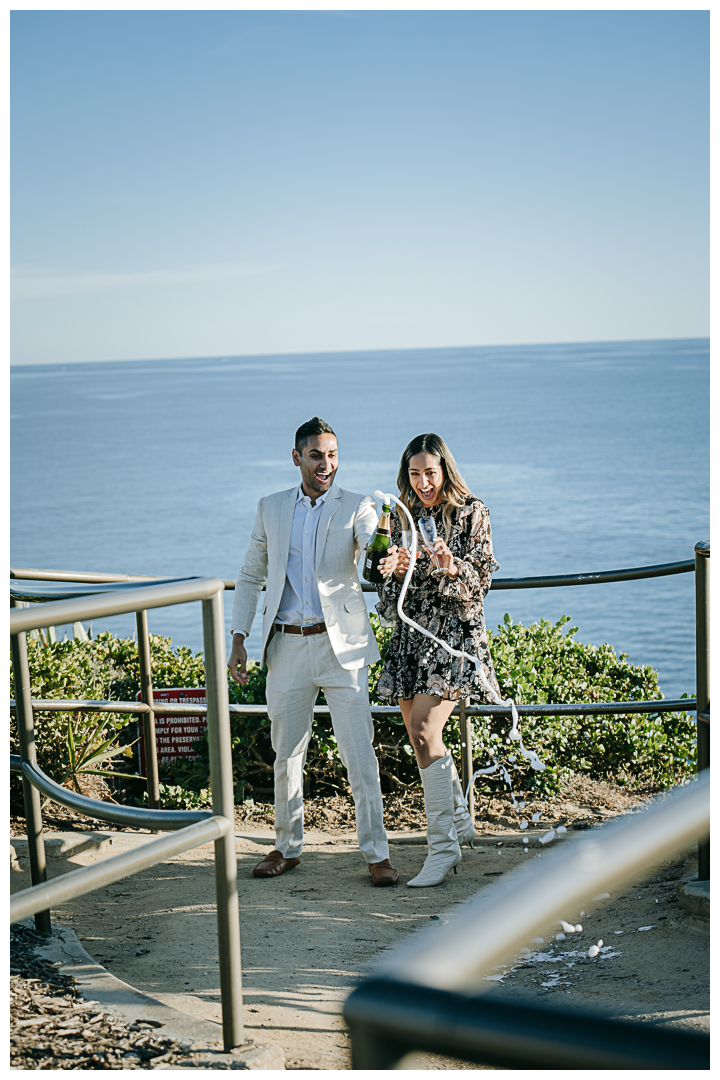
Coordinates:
(274, 864)
(383, 873)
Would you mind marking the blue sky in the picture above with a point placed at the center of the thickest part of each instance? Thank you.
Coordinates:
(190, 183)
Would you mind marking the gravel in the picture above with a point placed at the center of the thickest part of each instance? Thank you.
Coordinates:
(53, 1027)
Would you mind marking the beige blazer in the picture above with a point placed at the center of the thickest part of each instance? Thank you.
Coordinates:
(346, 524)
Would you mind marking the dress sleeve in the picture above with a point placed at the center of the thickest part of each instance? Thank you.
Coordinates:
(464, 594)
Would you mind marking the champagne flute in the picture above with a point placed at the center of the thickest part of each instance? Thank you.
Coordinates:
(428, 531)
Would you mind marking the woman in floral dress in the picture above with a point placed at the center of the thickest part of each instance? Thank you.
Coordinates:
(446, 597)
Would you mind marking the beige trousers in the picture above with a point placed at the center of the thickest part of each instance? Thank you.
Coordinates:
(297, 667)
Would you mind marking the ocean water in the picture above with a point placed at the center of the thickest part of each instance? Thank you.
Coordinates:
(589, 457)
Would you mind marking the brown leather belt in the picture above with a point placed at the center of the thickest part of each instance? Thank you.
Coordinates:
(315, 628)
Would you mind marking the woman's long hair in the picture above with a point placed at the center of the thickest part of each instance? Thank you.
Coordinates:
(455, 490)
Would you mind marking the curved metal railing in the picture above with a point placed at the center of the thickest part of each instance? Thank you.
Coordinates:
(131, 816)
(190, 828)
(79, 882)
(55, 591)
(426, 994)
(654, 705)
(595, 577)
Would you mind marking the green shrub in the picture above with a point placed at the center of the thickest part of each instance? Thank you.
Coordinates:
(174, 797)
(543, 664)
(540, 664)
(72, 745)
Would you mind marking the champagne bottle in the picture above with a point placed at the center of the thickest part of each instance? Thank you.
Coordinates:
(377, 549)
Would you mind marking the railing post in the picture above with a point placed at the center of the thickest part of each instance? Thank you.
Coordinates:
(702, 694)
(146, 691)
(221, 779)
(31, 797)
(466, 755)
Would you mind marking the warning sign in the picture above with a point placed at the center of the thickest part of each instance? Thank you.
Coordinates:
(175, 735)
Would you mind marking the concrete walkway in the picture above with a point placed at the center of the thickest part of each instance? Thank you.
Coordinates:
(309, 936)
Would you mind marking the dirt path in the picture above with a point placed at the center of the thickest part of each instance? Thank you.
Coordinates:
(310, 935)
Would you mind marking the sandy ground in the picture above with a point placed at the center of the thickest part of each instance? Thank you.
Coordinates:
(309, 936)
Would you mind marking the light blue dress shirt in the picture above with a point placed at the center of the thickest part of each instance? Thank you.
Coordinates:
(300, 601)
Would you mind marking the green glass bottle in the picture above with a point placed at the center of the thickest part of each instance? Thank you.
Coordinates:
(377, 549)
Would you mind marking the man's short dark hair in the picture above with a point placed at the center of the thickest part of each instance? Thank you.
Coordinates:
(316, 426)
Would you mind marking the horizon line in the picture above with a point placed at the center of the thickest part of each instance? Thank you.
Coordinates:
(223, 357)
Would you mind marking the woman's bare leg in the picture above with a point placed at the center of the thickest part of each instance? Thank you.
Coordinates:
(425, 717)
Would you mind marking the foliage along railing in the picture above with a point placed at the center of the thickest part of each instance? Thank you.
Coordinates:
(666, 743)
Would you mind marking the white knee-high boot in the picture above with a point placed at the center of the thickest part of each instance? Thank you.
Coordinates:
(443, 848)
(464, 826)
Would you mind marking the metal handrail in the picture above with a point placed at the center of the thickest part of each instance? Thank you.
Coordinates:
(218, 827)
(36, 594)
(29, 574)
(491, 927)
(88, 878)
(597, 577)
(173, 709)
(88, 705)
(136, 817)
(702, 677)
(502, 918)
(582, 708)
(102, 605)
(390, 1018)
(177, 709)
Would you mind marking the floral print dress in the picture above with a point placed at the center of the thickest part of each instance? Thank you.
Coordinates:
(450, 609)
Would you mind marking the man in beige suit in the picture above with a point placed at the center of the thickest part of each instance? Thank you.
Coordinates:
(316, 634)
